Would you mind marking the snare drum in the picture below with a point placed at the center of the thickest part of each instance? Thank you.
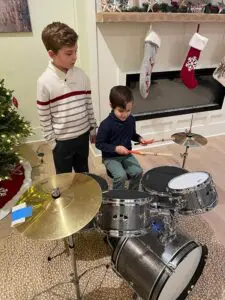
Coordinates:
(198, 191)
(124, 213)
(158, 272)
(155, 182)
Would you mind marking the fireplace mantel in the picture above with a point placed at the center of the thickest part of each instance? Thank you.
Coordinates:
(141, 17)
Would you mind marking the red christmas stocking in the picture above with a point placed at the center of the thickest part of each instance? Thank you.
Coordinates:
(197, 44)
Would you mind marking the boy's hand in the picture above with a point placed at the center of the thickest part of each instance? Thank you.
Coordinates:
(52, 144)
(121, 150)
(92, 139)
(145, 142)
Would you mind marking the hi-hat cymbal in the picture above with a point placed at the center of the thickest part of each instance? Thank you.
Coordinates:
(79, 201)
(189, 139)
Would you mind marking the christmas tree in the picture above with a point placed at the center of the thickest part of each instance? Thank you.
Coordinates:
(13, 130)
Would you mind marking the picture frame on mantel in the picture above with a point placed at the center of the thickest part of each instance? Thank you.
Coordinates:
(14, 16)
(197, 11)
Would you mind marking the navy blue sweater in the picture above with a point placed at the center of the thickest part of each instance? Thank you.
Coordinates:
(112, 132)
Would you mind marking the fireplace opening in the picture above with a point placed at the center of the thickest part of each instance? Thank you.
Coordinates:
(169, 96)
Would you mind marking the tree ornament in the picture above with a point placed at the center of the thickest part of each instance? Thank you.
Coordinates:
(15, 102)
(3, 192)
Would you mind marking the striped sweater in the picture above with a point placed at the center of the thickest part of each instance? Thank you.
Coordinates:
(64, 104)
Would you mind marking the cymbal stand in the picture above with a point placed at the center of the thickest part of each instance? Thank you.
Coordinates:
(76, 277)
(185, 154)
(75, 280)
(69, 243)
(66, 250)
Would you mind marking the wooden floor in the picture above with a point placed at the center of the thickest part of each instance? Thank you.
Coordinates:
(210, 158)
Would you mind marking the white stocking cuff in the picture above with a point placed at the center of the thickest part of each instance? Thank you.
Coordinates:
(198, 41)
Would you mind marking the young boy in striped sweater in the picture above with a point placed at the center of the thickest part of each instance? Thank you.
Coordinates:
(64, 101)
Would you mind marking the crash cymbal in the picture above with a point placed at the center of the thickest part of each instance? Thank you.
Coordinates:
(189, 139)
(79, 200)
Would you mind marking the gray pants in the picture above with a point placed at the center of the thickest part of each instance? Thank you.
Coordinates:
(123, 167)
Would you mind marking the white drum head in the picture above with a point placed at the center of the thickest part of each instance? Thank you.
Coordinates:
(181, 277)
(188, 180)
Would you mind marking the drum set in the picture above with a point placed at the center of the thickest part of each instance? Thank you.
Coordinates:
(158, 261)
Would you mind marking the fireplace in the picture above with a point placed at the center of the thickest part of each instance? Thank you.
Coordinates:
(169, 96)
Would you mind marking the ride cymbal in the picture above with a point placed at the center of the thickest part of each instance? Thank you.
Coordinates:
(189, 139)
(77, 200)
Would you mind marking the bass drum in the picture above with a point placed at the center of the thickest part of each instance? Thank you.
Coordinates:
(158, 272)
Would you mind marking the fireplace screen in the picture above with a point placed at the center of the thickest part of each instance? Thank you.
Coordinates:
(169, 96)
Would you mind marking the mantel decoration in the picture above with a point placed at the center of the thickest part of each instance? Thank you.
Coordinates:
(172, 6)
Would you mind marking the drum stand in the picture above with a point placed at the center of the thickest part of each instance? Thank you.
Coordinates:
(169, 221)
(168, 218)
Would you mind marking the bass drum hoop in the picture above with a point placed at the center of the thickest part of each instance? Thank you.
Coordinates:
(163, 277)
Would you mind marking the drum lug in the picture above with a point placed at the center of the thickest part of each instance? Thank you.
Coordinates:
(181, 203)
(171, 268)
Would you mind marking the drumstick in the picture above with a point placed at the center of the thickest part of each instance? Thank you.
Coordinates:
(151, 141)
(149, 153)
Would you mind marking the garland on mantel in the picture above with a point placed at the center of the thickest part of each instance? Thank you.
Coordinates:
(175, 7)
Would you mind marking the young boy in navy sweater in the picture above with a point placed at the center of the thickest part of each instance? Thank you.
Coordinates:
(114, 140)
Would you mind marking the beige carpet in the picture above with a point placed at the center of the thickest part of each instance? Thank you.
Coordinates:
(27, 275)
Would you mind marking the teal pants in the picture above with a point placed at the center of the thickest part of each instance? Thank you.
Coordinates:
(123, 167)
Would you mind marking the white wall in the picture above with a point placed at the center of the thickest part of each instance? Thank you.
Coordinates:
(81, 17)
(23, 57)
